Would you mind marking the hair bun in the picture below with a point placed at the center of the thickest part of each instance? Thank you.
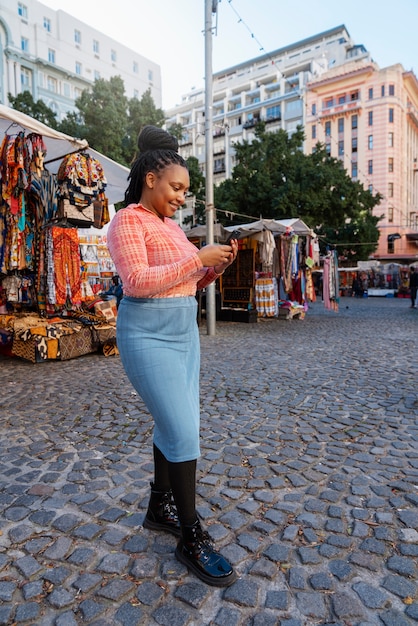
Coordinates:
(154, 138)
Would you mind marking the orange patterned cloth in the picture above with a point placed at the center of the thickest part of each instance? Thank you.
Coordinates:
(67, 265)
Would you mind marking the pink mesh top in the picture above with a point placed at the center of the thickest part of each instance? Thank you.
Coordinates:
(153, 257)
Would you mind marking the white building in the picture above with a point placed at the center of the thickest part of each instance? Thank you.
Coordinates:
(270, 87)
(55, 57)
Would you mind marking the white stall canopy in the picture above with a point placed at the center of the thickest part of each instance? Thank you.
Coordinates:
(59, 144)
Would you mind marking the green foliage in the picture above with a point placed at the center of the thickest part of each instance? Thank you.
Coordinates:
(273, 178)
(103, 112)
(38, 110)
(176, 130)
(140, 113)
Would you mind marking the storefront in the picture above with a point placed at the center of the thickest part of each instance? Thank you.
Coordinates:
(51, 186)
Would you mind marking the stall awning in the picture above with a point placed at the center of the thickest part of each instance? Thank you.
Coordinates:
(59, 144)
(275, 226)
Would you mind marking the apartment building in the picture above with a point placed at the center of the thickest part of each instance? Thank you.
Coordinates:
(368, 118)
(55, 57)
(271, 87)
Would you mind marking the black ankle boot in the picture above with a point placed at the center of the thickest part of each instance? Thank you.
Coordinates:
(195, 550)
(162, 513)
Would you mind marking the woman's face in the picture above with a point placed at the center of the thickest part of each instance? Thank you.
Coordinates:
(165, 192)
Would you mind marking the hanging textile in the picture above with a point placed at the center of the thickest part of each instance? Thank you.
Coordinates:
(331, 286)
(266, 297)
(67, 265)
(82, 186)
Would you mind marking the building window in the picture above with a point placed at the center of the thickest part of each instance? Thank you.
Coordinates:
(340, 124)
(370, 118)
(328, 149)
(67, 90)
(273, 113)
(47, 24)
(52, 84)
(390, 214)
(371, 189)
(136, 93)
(341, 99)
(96, 46)
(22, 10)
(391, 140)
(329, 102)
(370, 166)
(24, 44)
(135, 67)
(150, 76)
(371, 93)
(382, 91)
(355, 95)
(77, 93)
(78, 68)
(328, 129)
(391, 90)
(77, 36)
(370, 142)
(354, 170)
(96, 75)
(313, 131)
(354, 122)
(25, 79)
(113, 56)
(354, 144)
(391, 115)
(219, 165)
(390, 190)
(390, 164)
(313, 110)
(341, 148)
(51, 55)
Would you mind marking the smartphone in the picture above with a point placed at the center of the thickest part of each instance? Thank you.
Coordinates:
(234, 235)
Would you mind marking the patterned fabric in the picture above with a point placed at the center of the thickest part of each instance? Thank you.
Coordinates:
(67, 265)
(266, 297)
(153, 257)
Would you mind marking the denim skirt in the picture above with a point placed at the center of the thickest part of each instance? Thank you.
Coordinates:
(159, 346)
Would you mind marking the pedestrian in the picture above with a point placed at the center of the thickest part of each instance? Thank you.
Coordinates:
(115, 290)
(158, 338)
(413, 285)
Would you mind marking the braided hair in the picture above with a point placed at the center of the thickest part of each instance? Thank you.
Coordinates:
(157, 150)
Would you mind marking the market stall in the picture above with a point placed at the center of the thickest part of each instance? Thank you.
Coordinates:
(272, 273)
(51, 185)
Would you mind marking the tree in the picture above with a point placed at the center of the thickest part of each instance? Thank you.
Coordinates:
(275, 179)
(197, 189)
(103, 117)
(140, 113)
(38, 110)
(176, 130)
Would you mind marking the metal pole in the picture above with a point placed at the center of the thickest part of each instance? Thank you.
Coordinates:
(210, 7)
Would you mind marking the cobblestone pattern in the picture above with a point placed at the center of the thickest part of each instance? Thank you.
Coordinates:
(307, 481)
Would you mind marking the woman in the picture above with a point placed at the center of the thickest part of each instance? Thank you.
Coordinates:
(158, 338)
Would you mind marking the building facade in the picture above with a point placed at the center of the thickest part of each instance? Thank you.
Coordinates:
(270, 88)
(368, 118)
(55, 57)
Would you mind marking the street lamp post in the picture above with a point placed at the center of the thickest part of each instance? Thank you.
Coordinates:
(210, 8)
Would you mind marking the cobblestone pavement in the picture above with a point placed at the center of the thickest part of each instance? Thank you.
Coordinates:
(308, 481)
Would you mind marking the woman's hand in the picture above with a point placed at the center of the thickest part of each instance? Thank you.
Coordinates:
(219, 256)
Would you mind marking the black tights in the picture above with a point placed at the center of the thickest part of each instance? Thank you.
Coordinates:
(181, 477)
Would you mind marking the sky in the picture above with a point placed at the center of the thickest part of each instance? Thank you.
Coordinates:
(171, 32)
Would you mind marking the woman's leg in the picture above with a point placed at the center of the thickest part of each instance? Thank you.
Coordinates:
(195, 548)
(161, 513)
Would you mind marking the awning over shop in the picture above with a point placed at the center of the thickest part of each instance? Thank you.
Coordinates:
(59, 144)
(275, 226)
